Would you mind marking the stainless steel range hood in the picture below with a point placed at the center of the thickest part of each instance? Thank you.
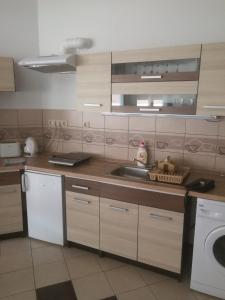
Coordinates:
(50, 64)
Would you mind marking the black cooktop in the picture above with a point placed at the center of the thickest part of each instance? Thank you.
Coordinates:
(69, 159)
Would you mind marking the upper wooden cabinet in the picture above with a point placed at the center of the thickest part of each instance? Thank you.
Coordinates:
(94, 82)
(7, 83)
(211, 92)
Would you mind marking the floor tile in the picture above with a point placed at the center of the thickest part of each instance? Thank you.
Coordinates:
(15, 261)
(124, 279)
(172, 290)
(93, 287)
(52, 273)
(38, 244)
(143, 293)
(73, 252)
(15, 245)
(110, 298)
(82, 266)
(60, 291)
(151, 277)
(16, 282)
(108, 263)
(47, 254)
(30, 295)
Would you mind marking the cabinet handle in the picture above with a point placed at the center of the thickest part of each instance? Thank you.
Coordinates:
(82, 201)
(151, 76)
(119, 208)
(156, 216)
(93, 104)
(214, 106)
(80, 187)
(149, 109)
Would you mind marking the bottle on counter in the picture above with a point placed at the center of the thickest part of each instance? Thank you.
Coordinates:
(142, 155)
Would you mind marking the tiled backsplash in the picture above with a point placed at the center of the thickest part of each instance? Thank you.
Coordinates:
(198, 143)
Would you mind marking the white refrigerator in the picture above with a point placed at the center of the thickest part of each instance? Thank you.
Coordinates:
(44, 199)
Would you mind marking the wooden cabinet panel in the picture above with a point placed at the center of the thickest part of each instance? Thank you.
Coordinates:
(140, 88)
(82, 216)
(160, 238)
(211, 91)
(7, 83)
(157, 54)
(94, 82)
(11, 219)
(118, 227)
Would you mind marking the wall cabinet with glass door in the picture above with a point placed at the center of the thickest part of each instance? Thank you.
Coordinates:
(161, 80)
(7, 83)
(211, 92)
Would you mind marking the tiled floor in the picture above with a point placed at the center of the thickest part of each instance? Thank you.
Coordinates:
(26, 265)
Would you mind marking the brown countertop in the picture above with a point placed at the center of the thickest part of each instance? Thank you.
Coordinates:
(99, 170)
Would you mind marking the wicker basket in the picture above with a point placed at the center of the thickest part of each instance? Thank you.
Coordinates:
(176, 177)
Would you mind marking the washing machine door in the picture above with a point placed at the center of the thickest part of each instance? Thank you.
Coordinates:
(215, 248)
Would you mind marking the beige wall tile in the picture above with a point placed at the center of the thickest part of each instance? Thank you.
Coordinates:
(142, 123)
(135, 137)
(52, 145)
(120, 153)
(116, 122)
(93, 136)
(169, 142)
(16, 282)
(93, 120)
(116, 138)
(98, 287)
(97, 150)
(171, 125)
(197, 161)
(71, 134)
(49, 274)
(30, 117)
(201, 127)
(222, 128)
(200, 144)
(220, 164)
(71, 147)
(176, 156)
(221, 146)
(8, 117)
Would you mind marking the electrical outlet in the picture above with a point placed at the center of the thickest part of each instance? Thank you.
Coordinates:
(52, 123)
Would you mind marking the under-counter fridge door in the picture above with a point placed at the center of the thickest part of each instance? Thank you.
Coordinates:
(44, 207)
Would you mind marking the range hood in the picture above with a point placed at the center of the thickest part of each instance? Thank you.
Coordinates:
(50, 64)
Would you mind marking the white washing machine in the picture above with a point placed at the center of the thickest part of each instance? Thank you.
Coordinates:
(208, 265)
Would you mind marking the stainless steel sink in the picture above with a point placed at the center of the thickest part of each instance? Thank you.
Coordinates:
(131, 172)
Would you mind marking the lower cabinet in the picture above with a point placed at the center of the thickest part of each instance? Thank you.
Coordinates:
(118, 227)
(11, 216)
(160, 238)
(82, 217)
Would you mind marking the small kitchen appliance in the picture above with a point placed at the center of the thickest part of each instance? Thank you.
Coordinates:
(31, 147)
(69, 159)
(11, 149)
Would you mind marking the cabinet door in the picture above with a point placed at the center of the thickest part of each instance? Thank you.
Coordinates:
(160, 238)
(11, 219)
(6, 75)
(82, 215)
(211, 92)
(118, 227)
(93, 81)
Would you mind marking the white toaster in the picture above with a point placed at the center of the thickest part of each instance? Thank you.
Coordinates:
(12, 149)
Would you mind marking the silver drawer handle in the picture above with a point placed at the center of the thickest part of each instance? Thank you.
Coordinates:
(82, 201)
(160, 217)
(151, 76)
(214, 106)
(119, 208)
(80, 187)
(93, 104)
(149, 109)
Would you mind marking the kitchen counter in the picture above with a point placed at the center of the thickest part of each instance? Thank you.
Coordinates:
(99, 170)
